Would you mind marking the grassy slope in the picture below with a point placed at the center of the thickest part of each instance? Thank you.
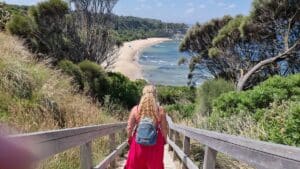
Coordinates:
(34, 97)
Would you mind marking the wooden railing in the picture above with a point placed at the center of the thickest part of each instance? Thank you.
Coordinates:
(46, 144)
(261, 155)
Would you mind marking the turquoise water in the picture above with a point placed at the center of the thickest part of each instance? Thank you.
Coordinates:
(160, 64)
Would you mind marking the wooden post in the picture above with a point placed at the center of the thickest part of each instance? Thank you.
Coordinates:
(86, 161)
(112, 142)
(177, 142)
(209, 158)
(171, 138)
(123, 136)
(186, 149)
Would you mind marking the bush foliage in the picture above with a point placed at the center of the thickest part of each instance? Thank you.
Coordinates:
(281, 123)
(96, 79)
(124, 91)
(73, 70)
(102, 85)
(272, 109)
(174, 94)
(209, 91)
(20, 25)
(275, 89)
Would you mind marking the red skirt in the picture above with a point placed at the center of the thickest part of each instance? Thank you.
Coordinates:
(146, 157)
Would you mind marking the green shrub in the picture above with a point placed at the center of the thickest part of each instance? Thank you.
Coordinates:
(117, 86)
(209, 91)
(123, 90)
(20, 25)
(275, 89)
(181, 111)
(96, 78)
(73, 70)
(270, 109)
(282, 123)
(172, 95)
(4, 15)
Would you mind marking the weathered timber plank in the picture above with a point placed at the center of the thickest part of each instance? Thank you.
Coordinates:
(288, 152)
(86, 161)
(103, 164)
(177, 142)
(54, 142)
(254, 157)
(112, 142)
(42, 136)
(209, 158)
(276, 149)
(186, 149)
(171, 137)
(185, 159)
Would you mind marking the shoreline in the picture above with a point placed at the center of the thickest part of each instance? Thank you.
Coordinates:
(128, 56)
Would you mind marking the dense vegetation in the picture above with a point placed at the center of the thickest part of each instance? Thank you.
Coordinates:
(130, 28)
(273, 105)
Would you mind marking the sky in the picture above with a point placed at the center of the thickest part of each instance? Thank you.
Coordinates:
(180, 11)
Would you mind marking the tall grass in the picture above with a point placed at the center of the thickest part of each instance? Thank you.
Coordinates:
(35, 97)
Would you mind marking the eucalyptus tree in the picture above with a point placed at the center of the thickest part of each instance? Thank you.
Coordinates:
(197, 42)
(265, 43)
(48, 29)
(279, 23)
(92, 20)
(253, 47)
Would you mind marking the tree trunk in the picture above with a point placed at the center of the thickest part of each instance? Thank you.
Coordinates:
(243, 79)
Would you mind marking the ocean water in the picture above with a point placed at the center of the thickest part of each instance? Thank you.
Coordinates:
(160, 64)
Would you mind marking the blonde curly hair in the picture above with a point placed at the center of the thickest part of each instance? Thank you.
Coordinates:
(148, 104)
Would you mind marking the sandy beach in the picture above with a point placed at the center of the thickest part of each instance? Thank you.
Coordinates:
(127, 61)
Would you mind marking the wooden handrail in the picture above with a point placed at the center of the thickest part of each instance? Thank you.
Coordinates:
(258, 154)
(49, 143)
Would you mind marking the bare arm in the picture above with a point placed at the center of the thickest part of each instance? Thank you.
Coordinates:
(164, 124)
(131, 122)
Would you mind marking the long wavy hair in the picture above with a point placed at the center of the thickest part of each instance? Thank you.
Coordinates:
(148, 104)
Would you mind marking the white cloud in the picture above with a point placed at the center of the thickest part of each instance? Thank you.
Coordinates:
(190, 11)
(231, 6)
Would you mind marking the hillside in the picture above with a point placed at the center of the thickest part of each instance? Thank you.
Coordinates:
(129, 28)
(34, 97)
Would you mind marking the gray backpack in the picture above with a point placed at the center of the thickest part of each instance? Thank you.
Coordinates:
(146, 132)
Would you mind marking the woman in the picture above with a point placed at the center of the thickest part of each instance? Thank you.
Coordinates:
(141, 156)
